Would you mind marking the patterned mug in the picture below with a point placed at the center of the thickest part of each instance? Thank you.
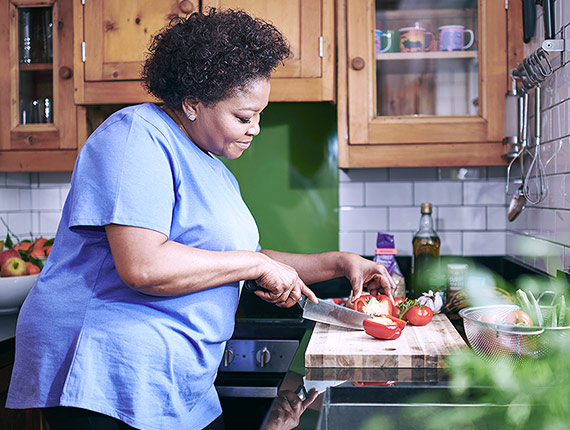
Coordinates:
(416, 39)
(452, 38)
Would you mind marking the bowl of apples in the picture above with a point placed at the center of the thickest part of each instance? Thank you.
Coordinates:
(19, 270)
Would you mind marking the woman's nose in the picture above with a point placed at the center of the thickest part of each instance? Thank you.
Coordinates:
(255, 127)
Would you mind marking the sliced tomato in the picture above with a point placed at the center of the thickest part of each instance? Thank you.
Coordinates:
(419, 315)
(382, 327)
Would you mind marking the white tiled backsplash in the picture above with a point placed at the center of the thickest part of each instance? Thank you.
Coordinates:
(31, 203)
(469, 208)
(540, 236)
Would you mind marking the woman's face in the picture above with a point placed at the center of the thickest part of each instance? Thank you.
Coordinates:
(228, 127)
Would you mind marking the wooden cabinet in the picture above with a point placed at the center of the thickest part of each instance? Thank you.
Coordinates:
(309, 27)
(110, 51)
(431, 100)
(38, 121)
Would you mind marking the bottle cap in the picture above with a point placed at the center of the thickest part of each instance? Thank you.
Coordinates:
(426, 208)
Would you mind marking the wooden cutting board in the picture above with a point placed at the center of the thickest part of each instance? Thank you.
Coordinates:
(417, 347)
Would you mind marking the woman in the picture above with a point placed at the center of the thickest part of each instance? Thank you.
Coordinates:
(128, 321)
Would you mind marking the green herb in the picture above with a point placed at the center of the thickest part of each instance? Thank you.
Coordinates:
(405, 306)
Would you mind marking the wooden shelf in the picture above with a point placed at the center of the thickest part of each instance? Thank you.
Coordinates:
(425, 14)
(436, 55)
(35, 67)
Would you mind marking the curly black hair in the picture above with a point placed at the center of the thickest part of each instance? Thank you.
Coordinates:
(207, 57)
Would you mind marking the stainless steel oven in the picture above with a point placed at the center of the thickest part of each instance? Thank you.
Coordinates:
(256, 360)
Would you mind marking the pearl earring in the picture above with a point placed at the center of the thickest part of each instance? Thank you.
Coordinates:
(191, 116)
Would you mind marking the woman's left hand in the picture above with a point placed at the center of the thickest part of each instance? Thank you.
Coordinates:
(365, 273)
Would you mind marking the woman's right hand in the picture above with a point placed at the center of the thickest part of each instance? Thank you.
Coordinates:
(282, 285)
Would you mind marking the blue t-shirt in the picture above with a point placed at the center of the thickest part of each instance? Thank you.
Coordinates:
(84, 338)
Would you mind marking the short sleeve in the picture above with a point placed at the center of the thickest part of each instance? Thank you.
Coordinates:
(123, 175)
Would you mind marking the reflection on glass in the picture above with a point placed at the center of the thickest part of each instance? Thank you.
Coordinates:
(36, 65)
(426, 57)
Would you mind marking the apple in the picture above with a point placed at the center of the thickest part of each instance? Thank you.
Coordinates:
(32, 268)
(14, 266)
(9, 253)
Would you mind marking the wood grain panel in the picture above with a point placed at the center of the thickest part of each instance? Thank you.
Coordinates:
(417, 347)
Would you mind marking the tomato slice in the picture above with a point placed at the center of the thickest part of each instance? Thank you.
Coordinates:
(382, 327)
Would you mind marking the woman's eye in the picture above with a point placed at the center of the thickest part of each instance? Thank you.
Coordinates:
(244, 120)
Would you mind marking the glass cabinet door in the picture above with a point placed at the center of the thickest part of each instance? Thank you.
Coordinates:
(43, 113)
(427, 59)
(425, 72)
(35, 65)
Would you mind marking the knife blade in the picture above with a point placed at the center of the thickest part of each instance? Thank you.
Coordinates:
(324, 311)
(329, 313)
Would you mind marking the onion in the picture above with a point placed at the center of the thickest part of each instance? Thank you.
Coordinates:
(432, 300)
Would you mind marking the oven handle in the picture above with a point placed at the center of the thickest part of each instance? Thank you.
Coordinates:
(253, 392)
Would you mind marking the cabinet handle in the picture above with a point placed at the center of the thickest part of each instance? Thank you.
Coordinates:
(357, 63)
(65, 72)
(186, 6)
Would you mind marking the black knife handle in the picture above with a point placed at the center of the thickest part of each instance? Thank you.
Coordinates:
(529, 19)
(251, 285)
(548, 12)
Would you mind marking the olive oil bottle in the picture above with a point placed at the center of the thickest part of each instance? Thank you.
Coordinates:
(425, 261)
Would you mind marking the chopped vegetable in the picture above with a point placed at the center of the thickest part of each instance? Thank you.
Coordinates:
(374, 306)
(382, 327)
(537, 314)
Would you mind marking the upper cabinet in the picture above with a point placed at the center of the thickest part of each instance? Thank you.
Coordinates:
(110, 50)
(421, 83)
(38, 121)
(309, 27)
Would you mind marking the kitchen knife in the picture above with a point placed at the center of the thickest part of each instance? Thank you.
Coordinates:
(324, 311)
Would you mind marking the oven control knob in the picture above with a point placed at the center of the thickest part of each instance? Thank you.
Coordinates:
(263, 356)
(228, 357)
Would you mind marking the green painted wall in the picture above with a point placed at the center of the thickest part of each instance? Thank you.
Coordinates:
(289, 177)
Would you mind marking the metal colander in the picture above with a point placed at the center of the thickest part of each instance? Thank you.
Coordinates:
(498, 341)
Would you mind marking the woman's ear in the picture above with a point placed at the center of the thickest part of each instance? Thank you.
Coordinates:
(189, 109)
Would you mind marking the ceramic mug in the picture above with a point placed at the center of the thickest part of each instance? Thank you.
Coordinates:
(383, 41)
(452, 38)
(416, 39)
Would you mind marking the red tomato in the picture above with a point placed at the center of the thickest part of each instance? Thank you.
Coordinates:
(519, 318)
(382, 327)
(419, 315)
(395, 309)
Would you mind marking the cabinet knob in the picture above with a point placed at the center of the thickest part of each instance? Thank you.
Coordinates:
(186, 6)
(357, 63)
(65, 72)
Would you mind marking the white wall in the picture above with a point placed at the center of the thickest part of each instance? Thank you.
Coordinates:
(31, 203)
(469, 208)
(540, 236)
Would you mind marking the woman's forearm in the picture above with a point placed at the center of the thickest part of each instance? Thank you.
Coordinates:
(149, 263)
(313, 268)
